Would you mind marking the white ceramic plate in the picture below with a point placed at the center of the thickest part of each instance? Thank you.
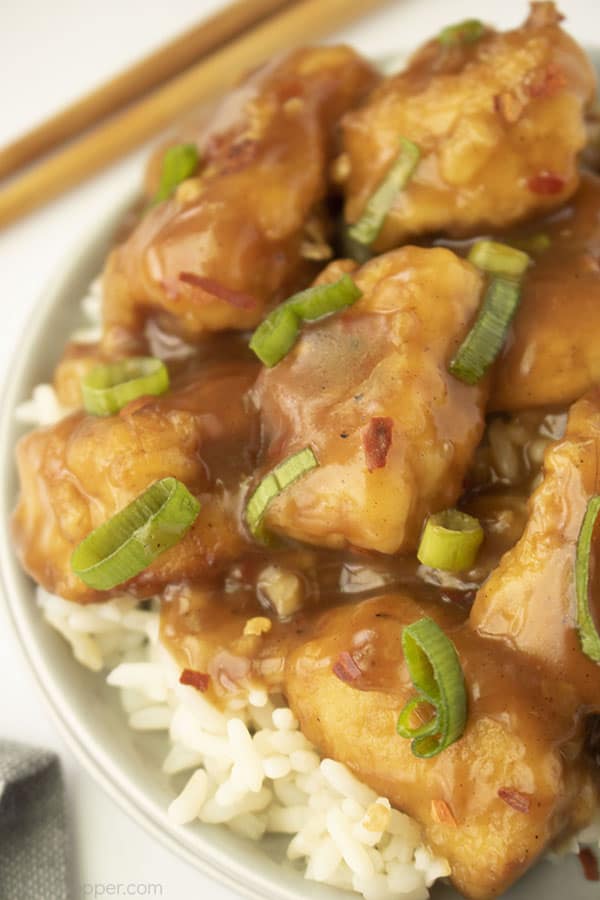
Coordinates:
(126, 763)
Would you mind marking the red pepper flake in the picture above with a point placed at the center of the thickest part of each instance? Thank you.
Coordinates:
(345, 668)
(464, 599)
(441, 813)
(211, 286)
(546, 183)
(377, 441)
(198, 680)
(513, 797)
(589, 864)
(238, 156)
(546, 81)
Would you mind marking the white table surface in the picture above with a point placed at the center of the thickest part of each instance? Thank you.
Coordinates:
(52, 52)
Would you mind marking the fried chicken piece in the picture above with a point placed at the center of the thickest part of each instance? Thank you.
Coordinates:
(232, 239)
(369, 391)
(492, 802)
(529, 600)
(78, 473)
(551, 354)
(499, 122)
(76, 362)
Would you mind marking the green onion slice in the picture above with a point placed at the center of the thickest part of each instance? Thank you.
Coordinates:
(466, 32)
(436, 673)
(535, 243)
(179, 162)
(133, 538)
(499, 259)
(588, 633)
(277, 334)
(281, 477)
(450, 541)
(108, 388)
(366, 229)
(486, 338)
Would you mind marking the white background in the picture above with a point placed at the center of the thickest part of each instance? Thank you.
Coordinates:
(51, 52)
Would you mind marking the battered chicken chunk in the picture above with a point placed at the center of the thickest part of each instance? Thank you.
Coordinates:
(79, 472)
(370, 392)
(77, 360)
(234, 238)
(551, 355)
(499, 122)
(491, 802)
(529, 600)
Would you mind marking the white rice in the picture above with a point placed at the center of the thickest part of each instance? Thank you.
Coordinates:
(248, 767)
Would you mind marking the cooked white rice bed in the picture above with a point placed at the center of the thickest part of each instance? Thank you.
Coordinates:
(249, 768)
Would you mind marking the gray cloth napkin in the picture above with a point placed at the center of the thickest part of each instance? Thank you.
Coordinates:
(34, 862)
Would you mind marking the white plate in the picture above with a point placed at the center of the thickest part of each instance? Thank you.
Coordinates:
(126, 763)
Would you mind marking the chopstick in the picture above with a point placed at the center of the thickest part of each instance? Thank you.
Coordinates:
(304, 21)
(166, 62)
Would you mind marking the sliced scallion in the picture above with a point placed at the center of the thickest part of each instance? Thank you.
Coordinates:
(588, 632)
(278, 479)
(450, 541)
(179, 162)
(466, 32)
(366, 229)
(109, 387)
(133, 538)
(437, 675)
(499, 259)
(277, 334)
(535, 243)
(486, 338)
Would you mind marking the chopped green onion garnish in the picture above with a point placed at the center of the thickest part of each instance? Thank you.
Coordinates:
(588, 632)
(352, 249)
(499, 259)
(179, 162)
(450, 541)
(366, 229)
(277, 334)
(486, 338)
(536, 243)
(466, 32)
(133, 538)
(109, 387)
(436, 673)
(281, 477)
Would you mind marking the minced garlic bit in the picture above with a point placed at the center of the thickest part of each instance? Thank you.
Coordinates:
(189, 190)
(377, 817)
(257, 626)
(281, 589)
(309, 250)
(314, 242)
(509, 105)
(340, 168)
(441, 812)
(293, 105)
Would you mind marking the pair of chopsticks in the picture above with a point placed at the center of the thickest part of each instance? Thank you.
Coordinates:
(145, 99)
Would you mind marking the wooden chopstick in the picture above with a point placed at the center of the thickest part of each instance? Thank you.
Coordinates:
(151, 71)
(301, 23)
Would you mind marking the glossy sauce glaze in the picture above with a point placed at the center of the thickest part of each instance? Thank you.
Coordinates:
(317, 612)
